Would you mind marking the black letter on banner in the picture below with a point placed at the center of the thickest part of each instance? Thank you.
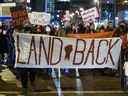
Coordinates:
(18, 52)
(18, 49)
(32, 49)
(52, 49)
(98, 51)
(79, 52)
(44, 48)
(109, 50)
(90, 51)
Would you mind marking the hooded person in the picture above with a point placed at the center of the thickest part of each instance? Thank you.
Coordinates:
(4, 44)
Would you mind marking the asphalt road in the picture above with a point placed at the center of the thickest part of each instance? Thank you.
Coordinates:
(72, 83)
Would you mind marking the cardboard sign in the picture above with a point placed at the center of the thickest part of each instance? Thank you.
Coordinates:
(39, 18)
(42, 51)
(90, 14)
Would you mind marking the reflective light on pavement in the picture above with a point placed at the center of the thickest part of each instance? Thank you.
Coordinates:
(79, 87)
(57, 81)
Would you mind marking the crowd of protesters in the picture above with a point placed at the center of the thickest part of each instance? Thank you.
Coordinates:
(90, 28)
(7, 48)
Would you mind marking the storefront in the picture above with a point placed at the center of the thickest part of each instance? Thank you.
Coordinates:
(5, 8)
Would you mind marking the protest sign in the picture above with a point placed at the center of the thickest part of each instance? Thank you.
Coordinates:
(90, 14)
(42, 51)
(39, 18)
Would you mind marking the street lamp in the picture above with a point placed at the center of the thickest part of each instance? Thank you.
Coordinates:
(96, 2)
(125, 1)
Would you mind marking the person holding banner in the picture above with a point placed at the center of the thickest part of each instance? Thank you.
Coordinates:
(81, 28)
(124, 46)
(102, 29)
(123, 37)
(4, 44)
(110, 27)
(26, 74)
(39, 29)
(51, 30)
(92, 27)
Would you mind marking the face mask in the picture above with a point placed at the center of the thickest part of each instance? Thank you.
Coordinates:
(4, 32)
(48, 29)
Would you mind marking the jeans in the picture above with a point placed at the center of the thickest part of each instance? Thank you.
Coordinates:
(27, 74)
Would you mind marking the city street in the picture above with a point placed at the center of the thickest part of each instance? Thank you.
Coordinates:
(63, 47)
(84, 83)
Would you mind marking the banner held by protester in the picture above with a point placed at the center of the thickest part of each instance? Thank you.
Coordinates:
(42, 51)
(92, 35)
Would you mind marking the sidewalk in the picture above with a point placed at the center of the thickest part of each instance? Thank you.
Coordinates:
(8, 84)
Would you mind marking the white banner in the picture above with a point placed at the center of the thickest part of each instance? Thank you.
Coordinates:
(39, 18)
(90, 14)
(42, 51)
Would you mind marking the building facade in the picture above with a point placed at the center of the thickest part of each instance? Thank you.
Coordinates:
(42, 5)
